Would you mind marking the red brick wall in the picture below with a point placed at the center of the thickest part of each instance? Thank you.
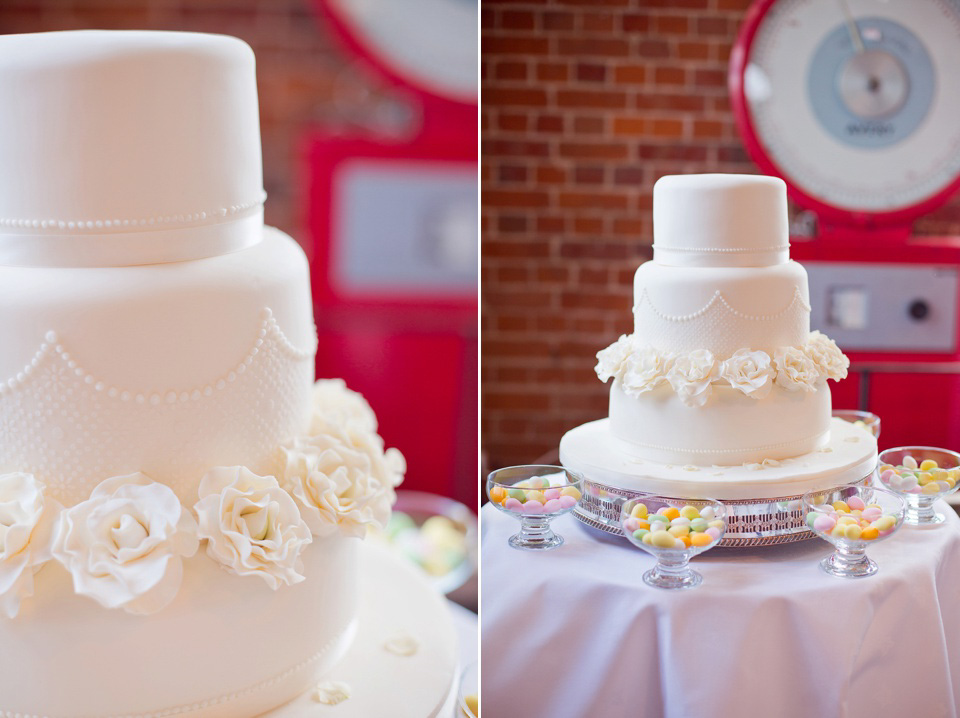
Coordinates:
(585, 104)
(304, 76)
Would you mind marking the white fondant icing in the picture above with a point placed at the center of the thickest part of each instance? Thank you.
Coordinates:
(166, 369)
(594, 450)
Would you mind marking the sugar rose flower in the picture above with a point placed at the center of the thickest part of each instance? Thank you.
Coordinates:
(826, 355)
(125, 545)
(692, 376)
(644, 370)
(252, 526)
(610, 361)
(28, 520)
(749, 371)
(796, 371)
(334, 403)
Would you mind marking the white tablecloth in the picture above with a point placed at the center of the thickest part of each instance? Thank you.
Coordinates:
(575, 631)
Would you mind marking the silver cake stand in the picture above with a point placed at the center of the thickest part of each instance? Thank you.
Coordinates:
(750, 522)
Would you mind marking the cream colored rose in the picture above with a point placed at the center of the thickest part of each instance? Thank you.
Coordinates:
(125, 545)
(692, 376)
(795, 370)
(28, 521)
(334, 403)
(333, 483)
(252, 526)
(750, 372)
(826, 355)
(644, 370)
(610, 361)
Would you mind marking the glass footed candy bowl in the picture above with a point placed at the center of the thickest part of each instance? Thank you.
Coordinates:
(535, 495)
(921, 474)
(673, 531)
(852, 518)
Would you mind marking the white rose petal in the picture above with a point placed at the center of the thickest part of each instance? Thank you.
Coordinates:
(125, 545)
(826, 355)
(692, 376)
(749, 371)
(333, 403)
(252, 526)
(644, 370)
(610, 361)
(28, 521)
(796, 371)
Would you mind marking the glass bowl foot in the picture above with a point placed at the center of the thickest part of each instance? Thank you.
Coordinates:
(672, 580)
(535, 543)
(837, 565)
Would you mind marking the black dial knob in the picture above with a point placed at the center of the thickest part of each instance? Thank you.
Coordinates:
(918, 310)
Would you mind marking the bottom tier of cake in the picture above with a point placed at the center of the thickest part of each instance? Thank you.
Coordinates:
(228, 646)
(763, 498)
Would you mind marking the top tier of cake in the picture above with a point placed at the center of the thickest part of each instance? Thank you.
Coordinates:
(124, 148)
(720, 220)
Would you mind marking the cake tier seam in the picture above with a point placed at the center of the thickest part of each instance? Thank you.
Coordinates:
(135, 223)
(724, 250)
(210, 702)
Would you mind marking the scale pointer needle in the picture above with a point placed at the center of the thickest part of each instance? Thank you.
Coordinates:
(851, 26)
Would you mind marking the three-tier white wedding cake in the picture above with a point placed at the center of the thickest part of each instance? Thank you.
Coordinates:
(180, 507)
(721, 390)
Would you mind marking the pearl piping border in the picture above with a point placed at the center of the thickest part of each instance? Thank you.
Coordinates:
(718, 297)
(268, 328)
(724, 250)
(162, 220)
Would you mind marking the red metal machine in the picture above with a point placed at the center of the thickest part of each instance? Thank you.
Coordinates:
(393, 224)
(855, 108)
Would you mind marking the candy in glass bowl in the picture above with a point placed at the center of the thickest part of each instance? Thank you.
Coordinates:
(673, 531)
(921, 474)
(852, 518)
(535, 495)
(863, 419)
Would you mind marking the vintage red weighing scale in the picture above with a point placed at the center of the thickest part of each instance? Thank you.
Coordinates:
(855, 104)
(393, 221)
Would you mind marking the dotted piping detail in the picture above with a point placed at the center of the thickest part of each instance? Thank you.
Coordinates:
(162, 220)
(211, 702)
(718, 297)
(724, 250)
(268, 326)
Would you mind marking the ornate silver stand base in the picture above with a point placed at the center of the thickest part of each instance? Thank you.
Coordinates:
(751, 522)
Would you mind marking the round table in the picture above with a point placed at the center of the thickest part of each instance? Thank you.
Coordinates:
(575, 631)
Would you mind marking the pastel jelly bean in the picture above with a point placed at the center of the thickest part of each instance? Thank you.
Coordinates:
(716, 523)
(872, 513)
(856, 503)
(517, 494)
(532, 507)
(812, 517)
(512, 504)
(698, 524)
(640, 533)
(689, 512)
(551, 494)
(869, 533)
(631, 524)
(928, 464)
(841, 506)
(824, 523)
(683, 542)
(534, 495)
(924, 478)
(498, 494)
(680, 521)
(701, 539)
(713, 532)
(852, 532)
(639, 511)
(908, 483)
(909, 462)
(671, 512)
(943, 485)
(679, 531)
(663, 539)
(930, 489)
(646, 538)
(707, 512)
(567, 501)
(551, 506)
(571, 491)
(884, 523)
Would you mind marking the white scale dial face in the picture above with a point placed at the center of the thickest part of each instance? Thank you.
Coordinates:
(857, 102)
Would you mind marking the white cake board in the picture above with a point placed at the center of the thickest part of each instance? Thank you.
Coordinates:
(763, 501)
(395, 600)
